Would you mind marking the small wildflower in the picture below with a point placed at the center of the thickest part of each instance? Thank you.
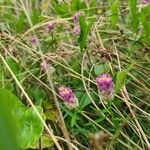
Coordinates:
(68, 97)
(76, 30)
(145, 1)
(76, 17)
(44, 65)
(106, 86)
(34, 41)
(51, 26)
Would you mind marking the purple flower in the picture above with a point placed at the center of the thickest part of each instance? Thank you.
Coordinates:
(68, 97)
(76, 17)
(44, 65)
(76, 30)
(34, 41)
(145, 1)
(106, 86)
(51, 26)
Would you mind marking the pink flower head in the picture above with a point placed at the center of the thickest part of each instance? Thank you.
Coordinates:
(106, 86)
(51, 26)
(68, 97)
(44, 65)
(76, 30)
(76, 17)
(145, 1)
(34, 41)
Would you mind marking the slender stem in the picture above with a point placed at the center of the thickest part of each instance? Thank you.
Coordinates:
(63, 126)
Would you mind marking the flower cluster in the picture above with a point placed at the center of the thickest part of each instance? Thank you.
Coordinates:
(106, 86)
(68, 97)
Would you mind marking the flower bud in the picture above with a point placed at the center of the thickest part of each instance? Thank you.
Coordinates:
(34, 41)
(51, 26)
(76, 17)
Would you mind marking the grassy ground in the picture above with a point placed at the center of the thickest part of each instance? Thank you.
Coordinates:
(114, 38)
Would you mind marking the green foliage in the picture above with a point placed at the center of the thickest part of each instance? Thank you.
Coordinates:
(101, 69)
(14, 66)
(45, 141)
(60, 8)
(29, 127)
(114, 7)
(35, 16)
(116, 26)
(20, 23)
(39, 96)
(134, 14)
(85, 30)
(145, 14)
(120, 80)
(85, 100)
(74, 5)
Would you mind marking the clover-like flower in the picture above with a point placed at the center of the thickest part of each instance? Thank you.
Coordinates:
(76, 17)
(34, 41)
(106, 86)
(68, 97)
(51, 26)
(145, 1)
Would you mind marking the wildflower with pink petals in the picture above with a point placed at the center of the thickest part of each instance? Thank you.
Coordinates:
(106, 86)
(76, 17)
(145, 1)
(51, 26)
(34, 41)
(68, 97)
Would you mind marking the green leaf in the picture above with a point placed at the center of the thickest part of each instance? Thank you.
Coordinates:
(39, 96)
(46, 142)
(101, 69)
(8, 128)
(85, 29)
(114, 6)
(61, 9)
(74, 5)
(145, 14)
(12, 103)
(83, 34)
(120, 81)
(30, 127)
(74, 119)
(28, 124)
(35, 16)
(21, 23)
(85, 100)
(134, 14)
